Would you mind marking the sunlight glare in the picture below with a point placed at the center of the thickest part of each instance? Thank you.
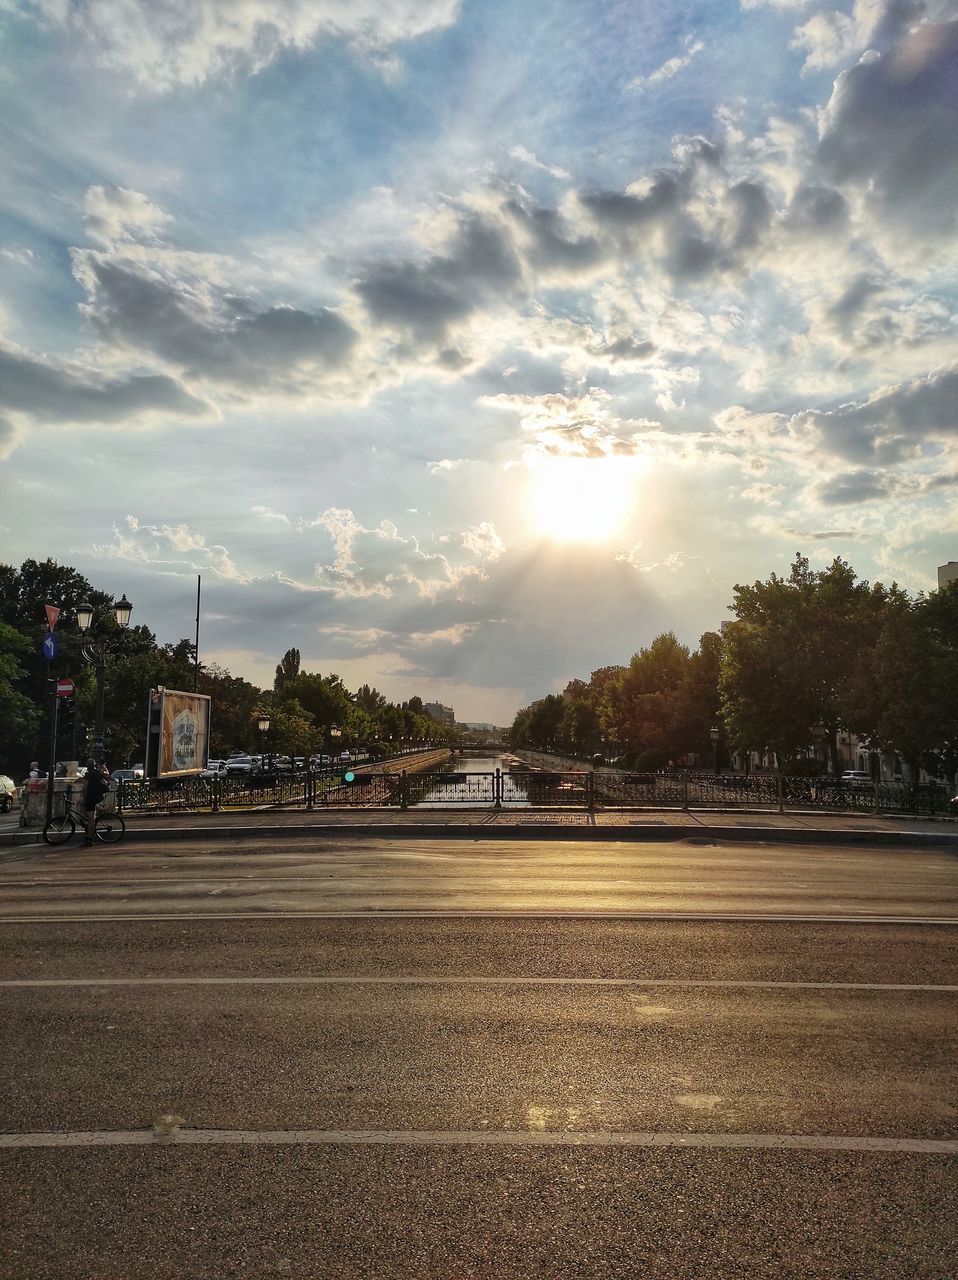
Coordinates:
(581, 499)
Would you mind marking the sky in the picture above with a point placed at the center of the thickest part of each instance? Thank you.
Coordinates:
(467, 345)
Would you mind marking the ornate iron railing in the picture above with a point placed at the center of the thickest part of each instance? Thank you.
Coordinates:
(532, 789)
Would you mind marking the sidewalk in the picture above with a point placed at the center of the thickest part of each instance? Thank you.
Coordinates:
(649, 824)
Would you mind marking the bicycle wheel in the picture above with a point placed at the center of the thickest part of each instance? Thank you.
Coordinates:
(110, 828)
(59, 830)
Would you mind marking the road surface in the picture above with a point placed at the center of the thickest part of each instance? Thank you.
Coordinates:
(463, 1059)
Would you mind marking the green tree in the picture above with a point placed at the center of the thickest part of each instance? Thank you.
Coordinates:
(903, 695)
(325, 698)
(791, 653)
(642, 709)
(287, 669)
(19, 721)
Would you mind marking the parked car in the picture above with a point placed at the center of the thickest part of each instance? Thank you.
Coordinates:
(8, 793)
(126, 775)
(857, 778)
(214, 769)
(345, 756)
(241, 764)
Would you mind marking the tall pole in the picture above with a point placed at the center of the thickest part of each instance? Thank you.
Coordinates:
(52, 762)
(196, 647)
(97, 750)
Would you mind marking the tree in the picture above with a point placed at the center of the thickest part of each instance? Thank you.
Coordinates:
(903, 696)
(287, 669)
(791, 653)
(641, 707)
(19, 721)
(370, 700)
(325, 698)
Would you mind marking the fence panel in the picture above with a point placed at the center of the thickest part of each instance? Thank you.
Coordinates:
(468, 790)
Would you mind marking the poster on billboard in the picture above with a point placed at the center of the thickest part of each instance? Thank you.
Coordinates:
(179, 733)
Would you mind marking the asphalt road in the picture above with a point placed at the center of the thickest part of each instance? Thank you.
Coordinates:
(479, 1060)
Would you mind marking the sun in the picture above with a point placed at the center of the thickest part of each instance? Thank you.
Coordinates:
(580, 499)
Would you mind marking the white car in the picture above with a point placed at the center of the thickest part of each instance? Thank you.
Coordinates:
(240, 764)
(8, 793)
(214, 769)
(857, 778)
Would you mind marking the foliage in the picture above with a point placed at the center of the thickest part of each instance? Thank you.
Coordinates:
(303, 706)
(792, 652)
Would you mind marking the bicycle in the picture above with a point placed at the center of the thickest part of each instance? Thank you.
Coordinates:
(108, 827)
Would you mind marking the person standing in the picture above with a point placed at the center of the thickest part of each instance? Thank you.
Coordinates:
(95, 787)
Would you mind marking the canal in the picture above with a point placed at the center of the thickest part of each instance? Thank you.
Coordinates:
(466, 782)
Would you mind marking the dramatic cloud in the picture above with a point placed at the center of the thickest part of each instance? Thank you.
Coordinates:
(891, 129)
(381, 562)
(426, 297)
(46, 392)
(732, 310)
(144, 298)
(183, 42)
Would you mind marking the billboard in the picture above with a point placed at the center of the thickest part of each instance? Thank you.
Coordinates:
(178, 734)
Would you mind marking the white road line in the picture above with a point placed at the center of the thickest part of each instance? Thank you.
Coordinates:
(702, 917)
(430, 980)
(475, 1138)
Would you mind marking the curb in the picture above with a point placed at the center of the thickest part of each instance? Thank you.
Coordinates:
(535, 831)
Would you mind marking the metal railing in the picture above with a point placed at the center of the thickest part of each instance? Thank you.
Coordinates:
(679, 789)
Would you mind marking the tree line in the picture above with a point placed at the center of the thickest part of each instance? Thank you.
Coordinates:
(303, 706)
(806, 658)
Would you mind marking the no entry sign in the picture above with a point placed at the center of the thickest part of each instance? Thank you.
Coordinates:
(65, 687)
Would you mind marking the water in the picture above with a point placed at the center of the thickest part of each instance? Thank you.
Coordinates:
(475, 791)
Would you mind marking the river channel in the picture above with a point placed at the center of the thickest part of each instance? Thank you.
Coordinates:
(476, 786)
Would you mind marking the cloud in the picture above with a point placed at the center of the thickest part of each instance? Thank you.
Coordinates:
(169, 548)
(47, 392)
(529, 157)
(184, 42)
(142, 298)
(426, 297)
(381, 562)
(851, 487)
(890, 129)
(890, 423)
(118, 213)
(446, 465)
(573, 426)
(668, 69)
(483, 542)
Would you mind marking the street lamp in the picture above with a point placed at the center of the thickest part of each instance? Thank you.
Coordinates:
(715, 734)
(95, 651)
(263, 725)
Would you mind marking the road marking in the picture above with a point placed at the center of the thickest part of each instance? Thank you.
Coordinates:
(474, 1138)
(443, 980)
(702, 917)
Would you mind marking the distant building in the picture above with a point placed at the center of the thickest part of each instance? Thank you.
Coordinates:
(436, 711)
(947, 573)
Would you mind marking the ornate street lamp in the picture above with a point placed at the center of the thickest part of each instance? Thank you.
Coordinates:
(96, 650)
(715, 734)
(262, 724)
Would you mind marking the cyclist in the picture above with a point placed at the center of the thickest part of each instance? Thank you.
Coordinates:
(95, 787)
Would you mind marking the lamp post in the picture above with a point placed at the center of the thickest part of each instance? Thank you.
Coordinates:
(715, 734)
(263, 725)
(95, 651)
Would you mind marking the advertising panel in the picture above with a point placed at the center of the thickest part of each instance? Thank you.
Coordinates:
(180, 724)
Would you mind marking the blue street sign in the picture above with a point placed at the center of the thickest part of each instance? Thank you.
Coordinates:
(51, 645)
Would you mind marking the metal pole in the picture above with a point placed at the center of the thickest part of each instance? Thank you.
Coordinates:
(96, 749)
(196, 647)
(52, 762)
